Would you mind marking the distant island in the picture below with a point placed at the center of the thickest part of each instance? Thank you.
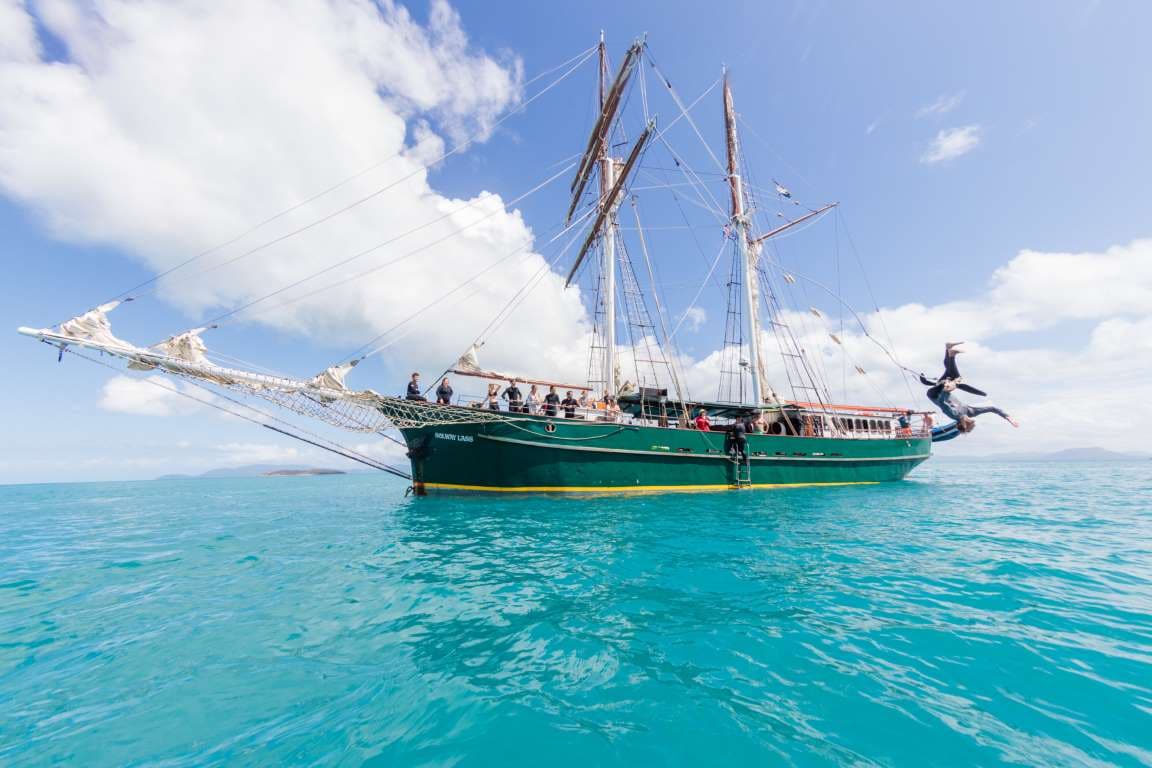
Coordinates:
(1068, 454)
(257, 470)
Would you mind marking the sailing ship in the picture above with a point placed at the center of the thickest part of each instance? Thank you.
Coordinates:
(635, 434)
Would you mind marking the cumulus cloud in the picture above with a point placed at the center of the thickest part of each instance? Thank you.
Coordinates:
(150, 396)
(17, 33)
(952, 143)
(1067, 394)
(695, 317)
(943, 105)
(172, 126)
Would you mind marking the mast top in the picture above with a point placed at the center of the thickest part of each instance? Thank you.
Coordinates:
(733, 142)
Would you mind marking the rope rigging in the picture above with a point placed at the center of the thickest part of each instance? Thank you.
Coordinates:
(579, 60)
(389, 241)
(326, 398)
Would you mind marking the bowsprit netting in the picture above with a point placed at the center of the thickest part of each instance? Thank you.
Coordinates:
(325, 396)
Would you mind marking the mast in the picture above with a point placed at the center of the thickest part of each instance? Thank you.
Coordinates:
(608, 270)
(613, 174)
(603, 70)
(608, 254)
(747, 253)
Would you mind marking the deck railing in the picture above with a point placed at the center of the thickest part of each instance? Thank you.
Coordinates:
(862, 424)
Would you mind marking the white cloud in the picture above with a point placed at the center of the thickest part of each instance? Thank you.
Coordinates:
(150, 396)
(943, 105)
(952, 143)
(176, 125)
(1066, 394)
(17, 33)
(695, 317)
(256, 453)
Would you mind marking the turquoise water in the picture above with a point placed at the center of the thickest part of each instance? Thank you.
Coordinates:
(976, 615)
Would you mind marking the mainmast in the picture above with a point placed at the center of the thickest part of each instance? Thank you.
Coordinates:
(747, 249)
(608, 249)
(608, 270)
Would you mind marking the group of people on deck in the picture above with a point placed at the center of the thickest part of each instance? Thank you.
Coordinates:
(940, 392)
(550, 404)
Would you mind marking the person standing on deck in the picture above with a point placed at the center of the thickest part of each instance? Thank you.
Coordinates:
(514, 398)
(551, 400)
(532, 402)
(444, 392)
(702, 422)
(569, 404)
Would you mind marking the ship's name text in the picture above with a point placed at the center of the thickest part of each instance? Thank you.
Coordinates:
(457, 438)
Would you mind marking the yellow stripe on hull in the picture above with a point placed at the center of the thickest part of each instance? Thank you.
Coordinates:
(627, 488)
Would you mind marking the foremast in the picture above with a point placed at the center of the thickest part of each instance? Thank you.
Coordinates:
(613, 176)
(747, 250)
(608, 249)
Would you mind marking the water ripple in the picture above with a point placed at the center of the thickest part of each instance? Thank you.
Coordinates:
(975, 615)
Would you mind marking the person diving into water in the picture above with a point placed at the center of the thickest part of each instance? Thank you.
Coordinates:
(940, 393)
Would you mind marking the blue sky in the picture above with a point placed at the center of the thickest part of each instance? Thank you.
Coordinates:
(846, 100)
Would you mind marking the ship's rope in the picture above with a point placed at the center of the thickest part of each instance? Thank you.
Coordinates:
(496, 211)
(553, 436)
(576, 62)
(332, 446)
(368, 349)
(855, 315)
(703, 285)
(683, 110)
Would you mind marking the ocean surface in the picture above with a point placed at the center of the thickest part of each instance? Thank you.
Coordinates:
(977, 614)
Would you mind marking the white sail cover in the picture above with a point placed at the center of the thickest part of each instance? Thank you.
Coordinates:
(94, 326)
(187, 346)
(469, 361)
(333, 376)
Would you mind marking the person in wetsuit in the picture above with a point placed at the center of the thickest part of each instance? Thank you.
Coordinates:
(515, 400)
(569, 404)
(940, 393)
(739, 437)
(551, 400)
(444, 392)
(414, 392)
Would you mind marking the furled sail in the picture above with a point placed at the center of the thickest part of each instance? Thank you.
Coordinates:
(469, 361)
(94, 326)
(187, 346)
(333, 376)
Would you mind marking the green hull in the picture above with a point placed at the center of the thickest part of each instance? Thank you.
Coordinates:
(538, 455)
